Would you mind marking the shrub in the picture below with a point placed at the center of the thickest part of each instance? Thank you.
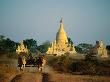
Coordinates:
(90, 66)
(60, 63)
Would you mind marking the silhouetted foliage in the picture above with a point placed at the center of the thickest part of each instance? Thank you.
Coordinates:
(83, 48)
(31, 44)
(7, 45)
(61, 63)
(2, 37)
(44, 47)
(70, 41)
(108, 47)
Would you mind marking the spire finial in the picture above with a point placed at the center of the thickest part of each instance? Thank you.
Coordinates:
(61, 20)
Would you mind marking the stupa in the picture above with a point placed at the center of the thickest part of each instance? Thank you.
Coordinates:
(21, 48)
(61, 45)
(100, 50)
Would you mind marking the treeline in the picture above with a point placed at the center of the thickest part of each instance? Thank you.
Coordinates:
(8, 45)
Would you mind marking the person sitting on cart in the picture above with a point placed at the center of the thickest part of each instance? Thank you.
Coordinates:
(30, 59)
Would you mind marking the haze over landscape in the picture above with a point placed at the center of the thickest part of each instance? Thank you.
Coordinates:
(84, 20)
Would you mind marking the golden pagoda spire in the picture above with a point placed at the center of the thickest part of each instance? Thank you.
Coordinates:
(61, 21)
(60, 45)
(61, 34)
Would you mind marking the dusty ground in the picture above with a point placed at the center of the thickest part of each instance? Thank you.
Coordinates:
(57, 77)
(27, 77)
(54, 77)
(9, 72)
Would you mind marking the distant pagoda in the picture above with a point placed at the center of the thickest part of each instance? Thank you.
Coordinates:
(21, 48)
(61, 45)
(100, 50)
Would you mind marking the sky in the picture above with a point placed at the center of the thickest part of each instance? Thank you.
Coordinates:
(85, 21)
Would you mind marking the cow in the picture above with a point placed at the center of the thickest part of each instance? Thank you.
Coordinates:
(40, 63)
(24, 61)
(20, 63)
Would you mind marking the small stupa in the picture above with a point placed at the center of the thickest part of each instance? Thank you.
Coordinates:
(21, 48)
(100, 50)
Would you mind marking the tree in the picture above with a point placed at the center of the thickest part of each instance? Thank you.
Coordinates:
(31, 44)
(70, 41)
(2, 37)
(83, 48)
(108, 47)
(7, 45)
(10, 45)
(44, 47)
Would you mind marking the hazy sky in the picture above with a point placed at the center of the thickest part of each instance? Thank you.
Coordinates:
(84, 20)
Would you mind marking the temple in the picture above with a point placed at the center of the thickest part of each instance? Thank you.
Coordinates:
(21, 48)
(61, 45)
(100, 50)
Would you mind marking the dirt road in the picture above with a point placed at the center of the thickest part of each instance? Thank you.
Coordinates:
(27, 77)
(53, 77)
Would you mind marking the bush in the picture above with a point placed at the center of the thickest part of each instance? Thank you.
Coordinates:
(90, 68)
(86, 67)
(60, 63)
